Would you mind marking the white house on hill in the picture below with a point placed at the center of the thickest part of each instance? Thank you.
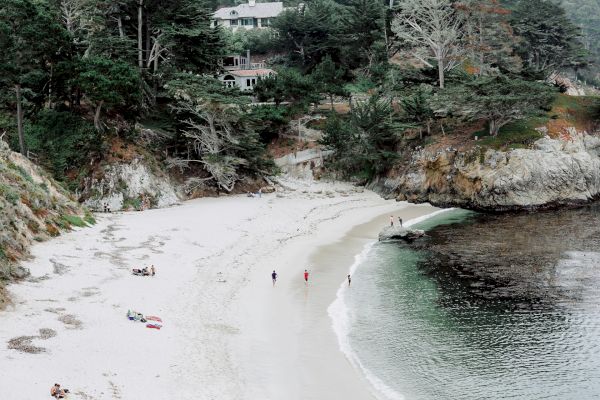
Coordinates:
(248, 16)
(244, 79)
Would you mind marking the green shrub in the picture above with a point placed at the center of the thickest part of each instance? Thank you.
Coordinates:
(9, 194)
(74, 220)
(132, 203)
(89, 218)
(62, 140)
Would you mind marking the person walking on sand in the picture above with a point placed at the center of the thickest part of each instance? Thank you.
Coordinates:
(274, 277)
(400, 221)
(349, 280)
(306, 277)
(391, 220)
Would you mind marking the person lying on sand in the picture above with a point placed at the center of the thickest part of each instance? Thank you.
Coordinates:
(57, 392)
(144, 271)
(135, 316)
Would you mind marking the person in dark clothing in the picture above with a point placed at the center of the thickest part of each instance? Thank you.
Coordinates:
(274, 277)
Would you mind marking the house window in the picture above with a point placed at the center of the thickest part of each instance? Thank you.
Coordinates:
(265, 22)
(248, 83)
(248, 21)
(233, 22)
(253, 81)
(229, 81)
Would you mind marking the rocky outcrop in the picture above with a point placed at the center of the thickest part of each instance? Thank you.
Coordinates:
(398, 233)
(302, 164)
(133, 185)
(566, 85)
(554, 172)
(32, 208)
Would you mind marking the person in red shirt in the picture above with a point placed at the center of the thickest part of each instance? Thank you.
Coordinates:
(306, 277)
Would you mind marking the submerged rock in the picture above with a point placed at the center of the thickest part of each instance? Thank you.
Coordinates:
(515, 259)
(399, 233)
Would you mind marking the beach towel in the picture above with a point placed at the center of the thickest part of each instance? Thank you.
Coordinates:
(154, 326)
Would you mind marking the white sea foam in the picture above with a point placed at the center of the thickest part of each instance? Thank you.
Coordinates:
(342, 317)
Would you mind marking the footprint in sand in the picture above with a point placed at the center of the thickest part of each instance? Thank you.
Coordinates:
(69, 320)
(23, 344)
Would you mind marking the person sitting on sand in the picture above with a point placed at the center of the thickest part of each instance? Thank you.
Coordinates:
(145, 271)
(152, 270)
(57, 392)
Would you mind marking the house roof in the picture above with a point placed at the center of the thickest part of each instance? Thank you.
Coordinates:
(251, 72)
(259, 10)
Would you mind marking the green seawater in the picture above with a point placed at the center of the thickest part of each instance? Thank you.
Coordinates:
(487, 307)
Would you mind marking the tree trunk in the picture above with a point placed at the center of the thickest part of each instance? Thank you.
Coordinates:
(331, 100)
(50, 86)
(120, 24)
(140, 35)
(441, 73)
(97, 124)
(148, 40)
(494, 128)
(20, 121)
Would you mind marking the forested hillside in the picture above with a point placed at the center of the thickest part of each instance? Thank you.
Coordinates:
(78, 77)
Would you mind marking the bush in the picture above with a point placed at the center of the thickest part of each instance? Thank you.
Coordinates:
(74, 220)
(62, 141)
(268, 121)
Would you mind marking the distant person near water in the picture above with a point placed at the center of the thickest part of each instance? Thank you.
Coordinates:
(306, 277)
(400, 221)
(274, 277)
(391, 220)
(349, 280)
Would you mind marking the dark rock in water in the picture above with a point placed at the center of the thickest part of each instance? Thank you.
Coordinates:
(399, 233)
(517, 260)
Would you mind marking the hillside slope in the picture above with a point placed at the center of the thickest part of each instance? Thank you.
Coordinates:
(32, 208)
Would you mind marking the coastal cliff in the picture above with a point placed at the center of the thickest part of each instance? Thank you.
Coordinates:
(553, 172)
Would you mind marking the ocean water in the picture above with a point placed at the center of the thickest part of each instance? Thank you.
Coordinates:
(487, 307)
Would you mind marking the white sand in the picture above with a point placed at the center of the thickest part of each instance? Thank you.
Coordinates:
(228, 334)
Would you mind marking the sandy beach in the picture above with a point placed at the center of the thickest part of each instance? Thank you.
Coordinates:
(227, 332)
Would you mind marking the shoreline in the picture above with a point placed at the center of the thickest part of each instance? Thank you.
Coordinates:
(297, 323)
(339, 314)
(212, 290)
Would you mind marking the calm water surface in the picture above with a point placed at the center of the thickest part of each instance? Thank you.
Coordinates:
(486, 307)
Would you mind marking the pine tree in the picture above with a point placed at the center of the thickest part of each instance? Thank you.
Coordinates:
(29, 38)
(549, 41)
